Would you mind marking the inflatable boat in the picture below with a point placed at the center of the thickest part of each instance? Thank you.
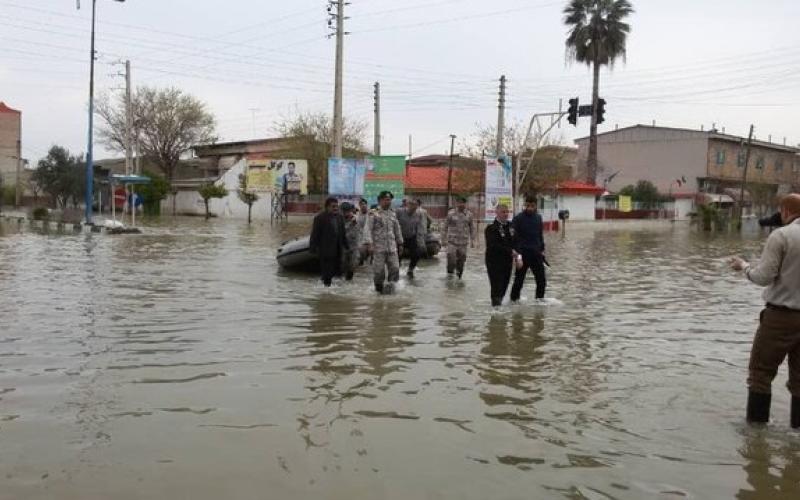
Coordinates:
(295, 254)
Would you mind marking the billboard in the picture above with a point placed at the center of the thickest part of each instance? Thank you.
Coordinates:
(499, 185)
(266, 175)
(346, 176)
(385, 173)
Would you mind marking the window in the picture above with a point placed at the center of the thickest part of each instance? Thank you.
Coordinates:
(760, 163)
(741, 159)
(720, 157)
(779, 165)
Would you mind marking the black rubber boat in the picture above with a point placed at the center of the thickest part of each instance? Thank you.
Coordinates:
(295, 254)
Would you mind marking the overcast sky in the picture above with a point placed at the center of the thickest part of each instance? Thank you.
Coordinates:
(690, 62)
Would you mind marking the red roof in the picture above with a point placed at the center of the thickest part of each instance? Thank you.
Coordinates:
(575, 187)
(435, 179)
(6, 109)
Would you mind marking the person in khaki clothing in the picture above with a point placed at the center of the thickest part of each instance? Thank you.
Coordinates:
(459, 231)
(778, 334)
(383, 239)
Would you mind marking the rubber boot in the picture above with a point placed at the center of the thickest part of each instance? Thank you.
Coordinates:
(795, 412)
(758, 407)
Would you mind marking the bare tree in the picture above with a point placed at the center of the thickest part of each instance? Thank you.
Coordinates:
(167, 123)
(311, 134)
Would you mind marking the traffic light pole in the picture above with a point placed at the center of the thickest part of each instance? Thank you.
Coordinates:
(526, 159)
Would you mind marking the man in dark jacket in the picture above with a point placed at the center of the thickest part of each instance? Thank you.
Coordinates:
(500, 254)
(328, 241)
(529, 242)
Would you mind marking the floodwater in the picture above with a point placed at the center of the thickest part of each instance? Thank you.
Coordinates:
(182, 363)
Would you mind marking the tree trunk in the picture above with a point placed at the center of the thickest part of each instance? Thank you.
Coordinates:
(591, 162)
(249, 211)
(207, 212)
(175, 203)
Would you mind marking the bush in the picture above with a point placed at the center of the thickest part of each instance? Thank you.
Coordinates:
(7, 195)
(153, 193)
(41, 213)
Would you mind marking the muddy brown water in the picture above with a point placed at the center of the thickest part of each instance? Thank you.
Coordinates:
(183, 363)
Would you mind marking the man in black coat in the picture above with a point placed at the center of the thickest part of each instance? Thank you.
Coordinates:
(529, 242)
(500, 254)
(328, 241)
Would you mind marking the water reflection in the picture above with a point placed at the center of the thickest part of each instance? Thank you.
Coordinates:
(771, 465)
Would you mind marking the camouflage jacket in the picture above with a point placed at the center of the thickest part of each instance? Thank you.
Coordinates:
(382, 231)
(459, 228)
(352, 233)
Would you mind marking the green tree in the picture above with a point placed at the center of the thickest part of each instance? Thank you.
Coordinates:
(644, 192)
(247, 197)
(62, 176)
(166, 124)
(597, 37)
(311, 136)
(153, 193)
(209, 191)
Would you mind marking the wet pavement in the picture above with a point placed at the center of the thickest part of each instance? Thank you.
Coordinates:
(183, 363)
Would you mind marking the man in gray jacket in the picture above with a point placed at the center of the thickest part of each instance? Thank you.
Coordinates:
(413, 226)
(778, 334)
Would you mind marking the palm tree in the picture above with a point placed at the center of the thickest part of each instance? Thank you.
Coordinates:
(597, 37)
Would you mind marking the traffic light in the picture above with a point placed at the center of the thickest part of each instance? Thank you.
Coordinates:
(601, 110)
(572, 113)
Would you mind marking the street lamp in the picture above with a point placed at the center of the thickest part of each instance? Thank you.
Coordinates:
(89, 198)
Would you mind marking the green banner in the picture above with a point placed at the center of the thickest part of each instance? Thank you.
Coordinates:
(385, 173)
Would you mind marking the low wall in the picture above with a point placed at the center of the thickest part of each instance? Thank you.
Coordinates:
(601, 214)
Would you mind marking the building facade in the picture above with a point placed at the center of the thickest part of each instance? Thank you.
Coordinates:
(10, 144)
(684, 161)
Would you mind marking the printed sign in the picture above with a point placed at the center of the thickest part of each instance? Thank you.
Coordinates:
(346, 176)
(625, 204)
(385, 173)
(499, 185)
(268, 175)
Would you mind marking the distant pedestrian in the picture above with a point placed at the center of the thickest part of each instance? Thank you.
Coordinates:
(352, 231)
(412, 225)
(459, 231)
(529, 243)
(426, 215)
(328, 240)
(778, 334)
(500, 254)
(361, 217)
(383, 238)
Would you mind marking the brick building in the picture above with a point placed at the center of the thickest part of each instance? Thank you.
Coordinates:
(10, 137)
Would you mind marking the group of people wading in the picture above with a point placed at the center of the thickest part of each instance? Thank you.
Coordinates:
(344, 237)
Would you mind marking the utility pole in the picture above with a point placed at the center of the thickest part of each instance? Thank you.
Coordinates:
(253, 112)
(89, 198)
(377, 146)
(450, 172)
(128, 121)
(410, 151)
(18, 185)
(501, 116)
(337, 94)
(744, 176)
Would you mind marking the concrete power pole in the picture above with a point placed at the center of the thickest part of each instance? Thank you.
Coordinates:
(377, 146)
(337, 95)
(744, 176)
(128, 122)
(18, 183)
(501, 116)
(450, 172)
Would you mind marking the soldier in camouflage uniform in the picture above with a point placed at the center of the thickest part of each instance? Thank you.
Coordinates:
(383, 238)
(459, 231)
(352, 234)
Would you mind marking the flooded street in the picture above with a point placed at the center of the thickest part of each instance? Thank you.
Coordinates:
(183, 363)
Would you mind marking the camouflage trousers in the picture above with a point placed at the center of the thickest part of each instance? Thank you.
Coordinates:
(380, 262)
(456, 257)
